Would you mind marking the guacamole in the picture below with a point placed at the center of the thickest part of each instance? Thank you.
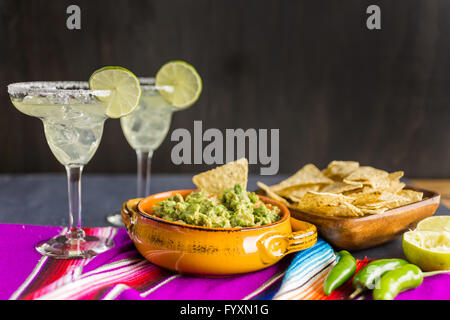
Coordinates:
(235, 208)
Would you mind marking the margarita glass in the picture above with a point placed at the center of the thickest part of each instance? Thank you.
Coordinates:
(73, 119)
(145, 129)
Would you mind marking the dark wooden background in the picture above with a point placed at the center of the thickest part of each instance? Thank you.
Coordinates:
(310, 68)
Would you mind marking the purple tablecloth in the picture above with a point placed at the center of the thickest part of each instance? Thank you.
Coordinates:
(119, 273)
(122, 273)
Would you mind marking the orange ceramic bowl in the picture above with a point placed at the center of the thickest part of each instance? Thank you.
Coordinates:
(213, 251)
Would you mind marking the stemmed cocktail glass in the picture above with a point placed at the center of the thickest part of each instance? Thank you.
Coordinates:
(145, 129)
(73, 119)
(176, 86)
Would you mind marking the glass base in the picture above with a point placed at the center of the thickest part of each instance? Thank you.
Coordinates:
(116, 220)
(74, 245)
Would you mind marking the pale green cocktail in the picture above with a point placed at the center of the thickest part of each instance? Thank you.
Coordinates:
(73, 118)
(145, 129)
(147, 126)
(73, 130)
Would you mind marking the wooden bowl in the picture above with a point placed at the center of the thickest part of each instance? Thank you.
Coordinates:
(372, 230)
(213, 251)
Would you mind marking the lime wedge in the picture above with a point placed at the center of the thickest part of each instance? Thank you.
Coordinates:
(179, 83)
(437, 223)
(124, 86)
(429, 245)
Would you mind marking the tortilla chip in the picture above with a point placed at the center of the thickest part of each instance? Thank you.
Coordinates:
(372, 210)
(394, 200)
(343, 189)
(295, 199)
(395, 186)
(328, 204)
(297, 192)
(366, 173)
(390, 183)
(309, 174)
(379, 184)
(337, 170)
(366, 198)
(223, 177)
(412, 195)
(378, 199)
(367, 189)
(364, 189)
(340, 187)
(271, 194)
(395, 175)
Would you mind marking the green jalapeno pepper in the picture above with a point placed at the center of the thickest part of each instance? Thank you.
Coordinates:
(398, 280)
(340, 273)
(406, 277)
(367, 277)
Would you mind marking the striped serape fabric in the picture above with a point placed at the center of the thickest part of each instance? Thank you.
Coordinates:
(119, 273)
(122, 273)
(306, 275)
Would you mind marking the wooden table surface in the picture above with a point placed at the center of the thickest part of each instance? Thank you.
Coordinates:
(442, 186)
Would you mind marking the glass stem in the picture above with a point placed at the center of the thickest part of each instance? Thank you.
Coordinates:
(74, 188)
(144, 159)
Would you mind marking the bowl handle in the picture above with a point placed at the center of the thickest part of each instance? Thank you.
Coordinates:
(129, 212)
(304, 236)
(273, 245)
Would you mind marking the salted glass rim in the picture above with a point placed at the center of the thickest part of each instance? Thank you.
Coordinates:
(148, 83)
(61, 88)
(74, 88)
